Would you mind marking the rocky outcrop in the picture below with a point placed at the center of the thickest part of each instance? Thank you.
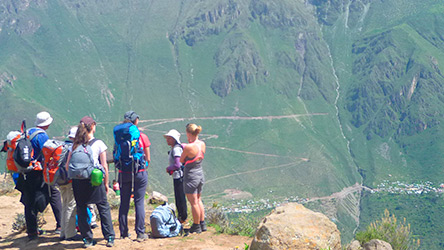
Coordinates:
(207, 21)
(239, 64)
(377, 245)
(293, 226)
(374, 244)
(354, 245)
(157, 198)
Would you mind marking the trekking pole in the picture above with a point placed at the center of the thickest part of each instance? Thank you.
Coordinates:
(133, 170)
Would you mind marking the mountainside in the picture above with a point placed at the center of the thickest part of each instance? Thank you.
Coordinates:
(297, 99)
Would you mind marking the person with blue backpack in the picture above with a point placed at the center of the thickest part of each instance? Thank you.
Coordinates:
(131, 157)
(87, 155)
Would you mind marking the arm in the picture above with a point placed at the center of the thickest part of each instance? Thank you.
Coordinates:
(147, 154)
(105, 166)
(185, 152)
(204, 147)
(175, 166)
(67, 161)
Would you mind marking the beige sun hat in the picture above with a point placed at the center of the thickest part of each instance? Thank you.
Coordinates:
(173, 133)
(43, 119)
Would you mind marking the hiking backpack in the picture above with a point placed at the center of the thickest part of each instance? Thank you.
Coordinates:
(81, 163)
(9, 147)
(128, 153)
(23, 153)
(56, 154)
(164, 222)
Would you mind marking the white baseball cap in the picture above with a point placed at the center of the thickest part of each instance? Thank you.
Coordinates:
(72, 132)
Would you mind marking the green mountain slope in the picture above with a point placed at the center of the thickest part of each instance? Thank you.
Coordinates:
(249, 72)
(387, 56)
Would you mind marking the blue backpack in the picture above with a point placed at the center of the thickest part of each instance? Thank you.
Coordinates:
(164, 222)
(128, 154)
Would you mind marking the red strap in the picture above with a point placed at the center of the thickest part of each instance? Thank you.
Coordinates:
(140, 170)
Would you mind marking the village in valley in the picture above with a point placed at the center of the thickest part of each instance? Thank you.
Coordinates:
(388, 187)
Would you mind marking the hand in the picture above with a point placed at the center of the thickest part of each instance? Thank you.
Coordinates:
(106, 188)
(170, 172)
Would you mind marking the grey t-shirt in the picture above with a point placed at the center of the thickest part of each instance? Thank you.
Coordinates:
(176, 151)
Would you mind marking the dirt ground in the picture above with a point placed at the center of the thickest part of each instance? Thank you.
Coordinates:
(10, 206)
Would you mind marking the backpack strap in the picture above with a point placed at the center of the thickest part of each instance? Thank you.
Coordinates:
(32, 136)
(35, 133)
(89, 153)
(172, 215)
(91, 142)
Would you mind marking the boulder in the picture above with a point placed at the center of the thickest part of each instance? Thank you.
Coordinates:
(157, 198)
(377, 245)
(292, 226)
(354, 245)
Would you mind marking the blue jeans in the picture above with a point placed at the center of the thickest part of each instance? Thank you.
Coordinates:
(126, 189)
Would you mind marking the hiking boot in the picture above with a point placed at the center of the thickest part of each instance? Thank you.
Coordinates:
(58, 230)
(110, 241)
(88, 243)
(94, 226)
(141, 237)
(195, 228)
(32, 236)
(203, 226)
(76, 237)
(124, 236)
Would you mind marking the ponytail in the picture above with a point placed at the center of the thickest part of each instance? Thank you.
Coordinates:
(193, 129)
(81, 135)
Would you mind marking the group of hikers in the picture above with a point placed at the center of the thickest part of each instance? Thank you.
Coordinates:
(84, 177)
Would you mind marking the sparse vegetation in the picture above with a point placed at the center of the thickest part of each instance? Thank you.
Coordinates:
(6, 184)
(19, 224)
(244, 224)
(391, 230)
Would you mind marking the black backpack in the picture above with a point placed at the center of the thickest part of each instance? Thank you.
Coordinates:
(24, 152)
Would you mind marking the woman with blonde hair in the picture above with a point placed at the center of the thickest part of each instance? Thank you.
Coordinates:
(193, 176)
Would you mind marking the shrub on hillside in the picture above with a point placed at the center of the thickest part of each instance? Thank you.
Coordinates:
(6, 185)
(244, 225)
(391, 230)
(19, 223)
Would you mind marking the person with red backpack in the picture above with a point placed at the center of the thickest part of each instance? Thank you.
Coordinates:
(35, 193)
(131, 157)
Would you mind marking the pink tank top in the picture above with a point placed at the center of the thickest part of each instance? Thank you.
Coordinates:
(200, 154)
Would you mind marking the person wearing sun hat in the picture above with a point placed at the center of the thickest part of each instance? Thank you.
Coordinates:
(175, 169)
(35, 195)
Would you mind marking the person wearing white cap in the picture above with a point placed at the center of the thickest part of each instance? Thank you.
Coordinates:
(35, 195)
(175, 169)
(68, 222)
